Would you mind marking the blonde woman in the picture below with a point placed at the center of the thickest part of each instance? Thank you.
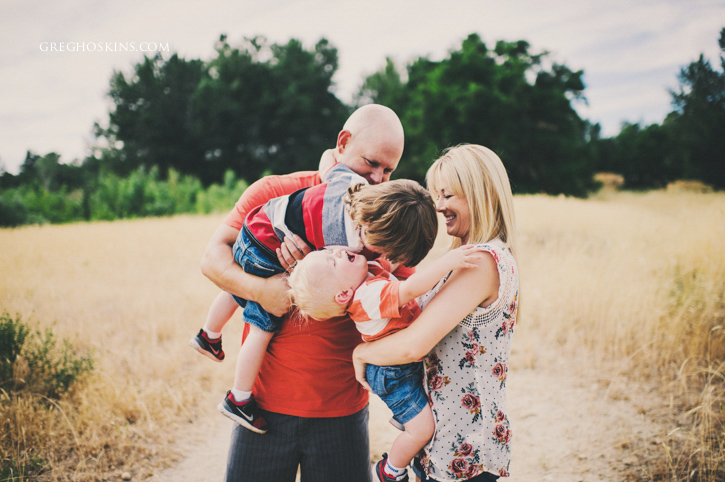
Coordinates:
(464, 332)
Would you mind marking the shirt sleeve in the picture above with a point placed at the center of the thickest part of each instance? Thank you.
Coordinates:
(269, 187)
(376, 299)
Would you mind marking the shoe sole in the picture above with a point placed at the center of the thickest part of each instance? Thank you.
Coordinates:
(223, 409)
(196, 346)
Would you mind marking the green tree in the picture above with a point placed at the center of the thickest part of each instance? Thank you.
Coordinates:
(644, 156)
(267, 108)
(151, 120)
(507, 99)
(699, 119)
(255, 108)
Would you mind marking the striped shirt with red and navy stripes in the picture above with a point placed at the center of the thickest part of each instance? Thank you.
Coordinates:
(317, 214)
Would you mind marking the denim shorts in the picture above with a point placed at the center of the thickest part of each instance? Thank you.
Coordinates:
(258, 262)
(400, 387)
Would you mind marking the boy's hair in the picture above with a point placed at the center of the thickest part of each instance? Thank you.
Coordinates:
(312, 293)
(477, 173)
(400, 217)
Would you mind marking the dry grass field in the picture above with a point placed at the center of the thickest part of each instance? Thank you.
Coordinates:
(635, 285)
(628, 286)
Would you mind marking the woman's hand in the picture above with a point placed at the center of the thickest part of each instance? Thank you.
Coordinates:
(292, 250)
(360, 367)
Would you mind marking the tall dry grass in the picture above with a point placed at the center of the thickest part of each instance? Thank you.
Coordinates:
(635, 284)
(133, 291)
(632, 283)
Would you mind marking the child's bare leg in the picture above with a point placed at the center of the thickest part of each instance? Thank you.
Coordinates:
(220, 311)
(418, 432)
(250, 358)
(239, 404)
(208, 341)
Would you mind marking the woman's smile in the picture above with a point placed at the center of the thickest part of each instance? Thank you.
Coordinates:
(456, 212)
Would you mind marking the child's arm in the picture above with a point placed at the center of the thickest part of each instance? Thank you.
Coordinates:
(326, 162)
(425, 279)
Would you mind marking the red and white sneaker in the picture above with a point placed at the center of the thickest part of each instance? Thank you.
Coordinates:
(246, 413)
(207, 347)
(382, 476)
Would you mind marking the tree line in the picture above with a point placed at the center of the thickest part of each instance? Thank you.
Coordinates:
(187, 135)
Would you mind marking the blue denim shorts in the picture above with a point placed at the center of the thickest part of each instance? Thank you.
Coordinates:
(258, 262)
(400, 387)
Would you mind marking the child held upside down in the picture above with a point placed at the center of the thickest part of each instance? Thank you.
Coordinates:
(336, 281)
(342, 211)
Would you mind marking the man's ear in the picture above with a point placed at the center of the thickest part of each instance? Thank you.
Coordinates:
(343, 297)
(343, 138)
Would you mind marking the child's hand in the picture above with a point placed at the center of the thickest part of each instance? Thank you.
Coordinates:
(462, 257)
(326, 162)
(292, 249)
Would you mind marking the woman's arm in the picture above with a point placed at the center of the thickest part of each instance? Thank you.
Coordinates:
(426, 278)
(464, 290)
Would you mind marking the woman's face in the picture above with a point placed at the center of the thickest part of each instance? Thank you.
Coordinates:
(456, 212)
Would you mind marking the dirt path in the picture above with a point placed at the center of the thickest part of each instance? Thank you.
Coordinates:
(568, 427)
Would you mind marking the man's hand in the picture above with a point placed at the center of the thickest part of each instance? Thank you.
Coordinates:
(219, 266)
(292, 250)
(273, 297)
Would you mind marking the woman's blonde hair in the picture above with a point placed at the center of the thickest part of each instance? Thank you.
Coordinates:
(312, 294)
(476, 173)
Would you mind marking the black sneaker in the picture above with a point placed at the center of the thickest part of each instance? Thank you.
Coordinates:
(245, 414)
(381, 476)
(212, 349)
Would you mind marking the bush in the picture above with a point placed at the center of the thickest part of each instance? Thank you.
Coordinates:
(12, 339)
(12, 209)
(110, 197)
(35, 361)
(60, 206)
(221, 198)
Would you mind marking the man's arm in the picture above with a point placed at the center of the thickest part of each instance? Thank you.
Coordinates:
(218, 263)
(219, 266)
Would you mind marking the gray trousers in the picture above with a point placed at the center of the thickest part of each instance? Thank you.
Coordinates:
(325, 449)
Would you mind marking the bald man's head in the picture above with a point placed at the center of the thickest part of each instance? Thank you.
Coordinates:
(371, 142)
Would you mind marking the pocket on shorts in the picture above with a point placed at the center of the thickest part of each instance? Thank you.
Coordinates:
(253, 264)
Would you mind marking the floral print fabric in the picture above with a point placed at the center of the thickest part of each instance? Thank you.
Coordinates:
(465, 377)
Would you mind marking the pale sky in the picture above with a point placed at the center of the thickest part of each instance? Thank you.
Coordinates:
(630, 50)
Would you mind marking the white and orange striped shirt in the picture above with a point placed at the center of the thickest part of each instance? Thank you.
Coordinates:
(376, 309)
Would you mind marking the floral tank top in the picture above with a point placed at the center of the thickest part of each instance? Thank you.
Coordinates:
(465, 379)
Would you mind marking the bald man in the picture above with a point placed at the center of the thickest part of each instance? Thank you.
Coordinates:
(316, 411)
